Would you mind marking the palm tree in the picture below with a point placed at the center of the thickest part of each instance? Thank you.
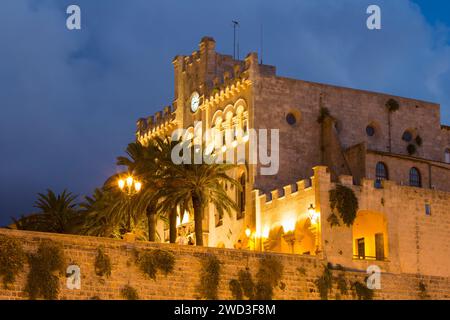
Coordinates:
(195, 186)
(148, 164)
(57, 213)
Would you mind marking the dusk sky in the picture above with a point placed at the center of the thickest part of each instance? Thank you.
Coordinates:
(69, 100)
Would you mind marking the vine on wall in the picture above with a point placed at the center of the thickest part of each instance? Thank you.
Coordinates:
(209, 277)
(129, 293)
(45, 264)
(325, 283)
(344, 201)
(267, 278)
(152, 261)
(423, 292)
(102, 264)
(12, 259)
(362, 292)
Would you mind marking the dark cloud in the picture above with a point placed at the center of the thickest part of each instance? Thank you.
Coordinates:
(69, 99)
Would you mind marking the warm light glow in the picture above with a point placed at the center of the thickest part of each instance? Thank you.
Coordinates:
(224, 148)
(245, 138)
(313, 214)
(234, 143)
(210, 148)
(289, 224)
(137, 186)
(178, 220)
(266, 231)
(248, 232)
(129, 181)
(121, 184)
(185, 217)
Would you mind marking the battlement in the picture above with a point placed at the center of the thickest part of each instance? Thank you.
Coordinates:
(285, 191)
(159, 123)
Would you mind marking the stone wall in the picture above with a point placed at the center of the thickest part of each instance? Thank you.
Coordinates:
(300, 272)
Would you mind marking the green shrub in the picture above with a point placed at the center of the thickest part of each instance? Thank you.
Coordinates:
(247, 284)
(411, 149)
(12, 259)
(325, 283)
(392, 105)
(323, 114)
(150, 261)
(42, 280)
(102, 264)
(129, 293)
(362, 291)
(236, 289)
(209, 277)
(268, 277)
(343, 200)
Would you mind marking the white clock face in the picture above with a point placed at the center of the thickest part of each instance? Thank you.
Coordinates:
(195, 101)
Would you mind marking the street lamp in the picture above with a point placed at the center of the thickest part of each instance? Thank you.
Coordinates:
(313, 214)
(130, 187)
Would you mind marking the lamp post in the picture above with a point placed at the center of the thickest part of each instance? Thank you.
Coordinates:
(130, 187)
(314, 216)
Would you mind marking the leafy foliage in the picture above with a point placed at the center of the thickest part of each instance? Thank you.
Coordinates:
(57, 213)
(325, 283)
(362, 292)
(392, 105)
(12, 259)
(342, 284)
(192, 187)
(247, 284)
(42, 281)
(129, 293)
(267, 278)
(333, 220)
(411, 148)
(324, 113)
(152, 261)
(419, 140)
(343, 200)
(209, 277)
(102, 264)
(423, 292)
(236, 289)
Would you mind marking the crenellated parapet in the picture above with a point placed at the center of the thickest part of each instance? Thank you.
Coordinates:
(225, 92)
(160, 124)
(284, 193)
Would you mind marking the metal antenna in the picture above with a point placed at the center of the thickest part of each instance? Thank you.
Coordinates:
(261, 43)
(235, 25)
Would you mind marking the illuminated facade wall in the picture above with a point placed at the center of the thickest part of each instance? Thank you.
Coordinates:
(223, 93)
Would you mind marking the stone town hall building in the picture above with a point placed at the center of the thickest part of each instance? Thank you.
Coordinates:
(396, 162)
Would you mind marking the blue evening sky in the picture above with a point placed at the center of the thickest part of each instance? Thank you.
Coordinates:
(69, 99)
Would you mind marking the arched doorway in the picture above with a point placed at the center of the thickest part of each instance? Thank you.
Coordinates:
(370, 237)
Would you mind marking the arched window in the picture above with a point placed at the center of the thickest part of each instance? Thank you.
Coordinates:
(381, 173)
(414, 178)
(447, 156)
(241, 197)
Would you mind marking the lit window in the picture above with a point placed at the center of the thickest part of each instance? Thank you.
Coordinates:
(414, 178)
